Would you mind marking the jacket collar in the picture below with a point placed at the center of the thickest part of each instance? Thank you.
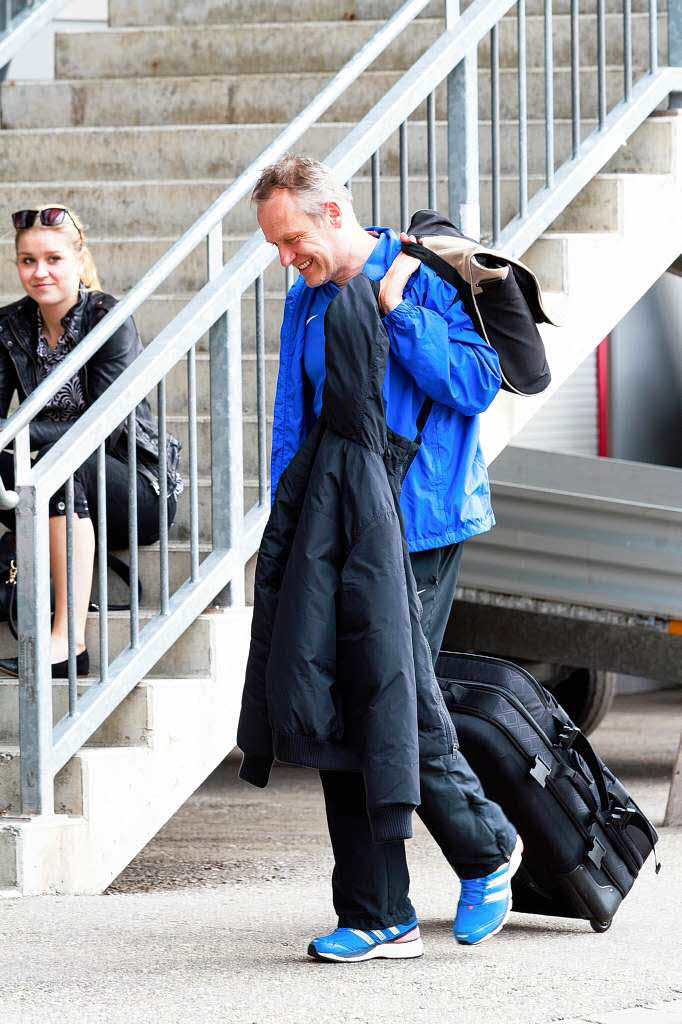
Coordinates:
(23, 316)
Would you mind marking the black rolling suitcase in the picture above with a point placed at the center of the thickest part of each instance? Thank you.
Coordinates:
(585, 839)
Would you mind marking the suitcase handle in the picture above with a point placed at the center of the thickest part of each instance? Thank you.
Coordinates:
(570, 736)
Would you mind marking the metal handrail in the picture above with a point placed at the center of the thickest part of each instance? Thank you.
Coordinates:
(202, 227)
(23, 27)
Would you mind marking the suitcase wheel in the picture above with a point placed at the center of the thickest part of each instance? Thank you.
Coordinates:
(600, 926)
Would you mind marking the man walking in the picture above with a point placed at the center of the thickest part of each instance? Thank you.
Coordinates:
(434, 353)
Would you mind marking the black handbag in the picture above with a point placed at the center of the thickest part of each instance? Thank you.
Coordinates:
(8, 581)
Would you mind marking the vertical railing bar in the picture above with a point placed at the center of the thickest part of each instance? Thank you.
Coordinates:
(627, 48)
(463, 148)
(288, 278)
(575, 77)
(70, 611)
(495, 130)
(260, 391)
(549, 96)
(523, 108)
(164, 585)
(34, 641)
(653, 37)
(376, 188)
(193, 467)
(431, 150)
(234, 491)
(404, 210)
(601, 63)
(102, 591)
(132, 531)
(674, 42)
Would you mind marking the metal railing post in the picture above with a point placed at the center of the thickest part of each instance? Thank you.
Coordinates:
(34, 641)
(227, 445)
(675, 46)
(462, 133)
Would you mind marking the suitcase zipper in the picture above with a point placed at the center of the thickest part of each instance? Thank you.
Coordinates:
(550, 784)
(539, 690)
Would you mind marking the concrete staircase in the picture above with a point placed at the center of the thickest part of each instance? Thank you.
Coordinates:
(143, 127)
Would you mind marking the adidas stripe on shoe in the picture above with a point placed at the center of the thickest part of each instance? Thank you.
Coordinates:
(485, 903)
(351, 945)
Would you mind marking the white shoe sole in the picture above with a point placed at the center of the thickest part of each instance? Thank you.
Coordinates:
(384, 951)
(514, 865)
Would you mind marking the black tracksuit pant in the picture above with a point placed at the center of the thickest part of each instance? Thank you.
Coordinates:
(370, 881)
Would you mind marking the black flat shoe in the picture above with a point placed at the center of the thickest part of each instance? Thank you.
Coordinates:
(60, 669)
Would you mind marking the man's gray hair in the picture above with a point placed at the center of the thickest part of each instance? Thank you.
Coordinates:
(311, 182)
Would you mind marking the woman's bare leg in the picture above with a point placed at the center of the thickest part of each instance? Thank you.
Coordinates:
(83, 561)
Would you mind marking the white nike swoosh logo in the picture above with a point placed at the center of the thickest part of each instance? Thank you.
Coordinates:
(421, 591)
(311, 318)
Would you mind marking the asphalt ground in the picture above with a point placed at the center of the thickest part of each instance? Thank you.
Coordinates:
(211, 921)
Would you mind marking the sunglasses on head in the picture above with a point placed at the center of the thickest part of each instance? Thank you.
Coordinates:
(50, 217)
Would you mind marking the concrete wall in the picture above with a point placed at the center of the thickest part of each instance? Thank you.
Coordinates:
(645, 357)
(37, 59)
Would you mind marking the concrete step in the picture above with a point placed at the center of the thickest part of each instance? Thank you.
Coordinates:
(68, 785)
(129, 725)
(140, 208)
(189, 656)
(261, 99)
(122, 262)
(176, 385)
(110, 801)
(221, 152)
(220, 12)
(160, 309)
(179, 564)
(179, 425)
(270, 47)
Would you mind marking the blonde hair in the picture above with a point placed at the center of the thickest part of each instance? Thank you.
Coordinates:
(89, 276)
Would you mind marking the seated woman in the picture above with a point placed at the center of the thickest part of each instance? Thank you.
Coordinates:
(63, 303)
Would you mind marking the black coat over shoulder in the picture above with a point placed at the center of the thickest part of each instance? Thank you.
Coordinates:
(339, 673)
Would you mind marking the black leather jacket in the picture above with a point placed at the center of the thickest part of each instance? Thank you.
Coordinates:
(19, 372)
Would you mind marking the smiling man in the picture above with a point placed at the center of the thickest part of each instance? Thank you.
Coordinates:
(434, 352)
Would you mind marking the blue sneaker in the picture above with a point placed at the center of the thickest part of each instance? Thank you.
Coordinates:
(348, 945)
(485, 903)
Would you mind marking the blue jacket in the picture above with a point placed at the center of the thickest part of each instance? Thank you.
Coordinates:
(434, 351)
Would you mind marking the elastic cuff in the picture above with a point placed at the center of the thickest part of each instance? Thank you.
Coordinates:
(255, 770)
(391, 823)
(401, 312)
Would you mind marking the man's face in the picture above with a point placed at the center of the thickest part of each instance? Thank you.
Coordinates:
(313, 245)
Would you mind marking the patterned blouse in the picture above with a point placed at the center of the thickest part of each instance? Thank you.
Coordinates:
(68, 403)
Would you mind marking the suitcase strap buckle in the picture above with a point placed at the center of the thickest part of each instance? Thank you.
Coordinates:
(540, 770)
(619, 817)
(568, 735)
(596, 853)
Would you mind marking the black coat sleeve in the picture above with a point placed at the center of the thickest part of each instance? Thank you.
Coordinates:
(8, 381)
(254, 733)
